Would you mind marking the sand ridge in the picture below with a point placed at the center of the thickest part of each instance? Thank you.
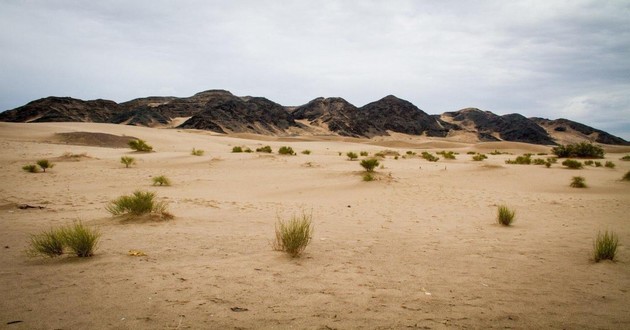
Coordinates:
(417, 249)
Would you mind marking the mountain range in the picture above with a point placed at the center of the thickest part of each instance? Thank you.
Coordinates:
(221, 111)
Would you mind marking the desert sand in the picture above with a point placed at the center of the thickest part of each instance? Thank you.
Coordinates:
(418, 248)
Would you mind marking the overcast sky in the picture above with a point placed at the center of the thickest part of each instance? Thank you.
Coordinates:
(543, 58)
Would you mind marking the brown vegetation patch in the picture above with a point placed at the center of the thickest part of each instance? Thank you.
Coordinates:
(94, 139)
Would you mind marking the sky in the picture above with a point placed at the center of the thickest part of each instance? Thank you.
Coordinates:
(548, 58)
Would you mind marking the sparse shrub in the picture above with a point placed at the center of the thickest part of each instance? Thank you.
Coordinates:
(286, 151)
(541, 154)
(471, 153)
(447, 154)
(479, 157)
(609, 164)
(306, 152)
(497, 152)
(363, 153)
(367, 176)
(161, 181)
(626, 177)
(140, 145)
(30, 168)
(137, 204)
(552, 160)
(578, 150)
(598, 164)
(428, 156)
(44, 164)
(237, 149)
(396, 157)
(525, 159)
(411, 153)
(247, 150)
(547, 164)
(578, 182)
(128, 161)
(387, 152)
(293, 236)
(81, 240)
(351, 155)
(505, 216)
(605, 246)
(588, 163)
(369, 164)
(539, 161)
(266, 149)
(197, 152)
(626, 158)
(49, 243)
(572, 164)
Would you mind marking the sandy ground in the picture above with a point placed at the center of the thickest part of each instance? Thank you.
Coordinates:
(418, 248)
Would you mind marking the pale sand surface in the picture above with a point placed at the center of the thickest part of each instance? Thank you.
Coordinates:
(418, 248)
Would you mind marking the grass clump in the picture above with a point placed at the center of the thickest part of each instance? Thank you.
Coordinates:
(505, 216)
(31, 168)
(367, 176)
(525, 159)
(369, 164)
(49, 243)
(428, 156)
(609, 164)
(605, 246)
(293, 236)
(578, 150)
(286, 151)
(237, 149)
(44, 164)
(161, 181)
(578, 182)
(352, 155)
(572, 164)
(137, 204)
(539, 161)
(266, 149)
(626, 158)
(589, 163)
(363, 153)
(128, 161)
(306, 152)
(626, 177)
(140, 145)
(197, 152)
(447, 154)
(81, 240)
(479, 157)
(598, 164)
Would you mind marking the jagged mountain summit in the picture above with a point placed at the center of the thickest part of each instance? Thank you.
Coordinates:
(221, 111)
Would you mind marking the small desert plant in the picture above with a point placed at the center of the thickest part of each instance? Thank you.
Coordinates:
(471, 153)
(139, 203)
(140, 145)
(410, 153)
(161, 181)
(626, 158)
(447, 154)
(428, 156)
(294, 235)
(578, 182)
(80, 239)
(306, 152)
(589, 163)
(542, 154)
(605, 246)
(539, 161)
(497, 152)
(580, 150)
(367, 176)
(266, 149)
(30, 168)
(248, 150)
(49, 243)
(128, 161)
(547, 164)
(363, 153)
(505, 216)
(237, 149)
(479, 157)
(525, 159)
(552, 160)
(352, 155)
(286, 151)
(572, 164)
(197, 152)
(609, 164)
(598, 164)
(369, 164)
(44, 164)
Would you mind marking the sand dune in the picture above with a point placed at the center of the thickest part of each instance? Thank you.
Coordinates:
(417, 249)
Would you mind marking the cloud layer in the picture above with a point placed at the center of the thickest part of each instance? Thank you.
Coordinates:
(539, 58)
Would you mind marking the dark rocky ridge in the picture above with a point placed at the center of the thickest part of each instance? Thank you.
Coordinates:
(221, 111)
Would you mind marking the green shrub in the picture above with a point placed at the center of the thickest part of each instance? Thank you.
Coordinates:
(30, 168)
(578, 182)
(605, 246)
(44, 164)
(479, 157)
(137, 204)
(525, 159)
(367, 176)
(411, 153)
(598, 164)
(572, 164)
(369, 164)
(80, 240)
(626, 158)
(428, 156)
(306, 152)
(447, 154)
(539, 161)
(626, 177)
(237, 149)
(140, 145)
(505, 216)
(293, 236)
(363, 153)
(352, 155)
(197, 152)
(609, 164)
(266, 149)
(128, 161)
(588, 163)
(161, 181)
(578, 150)
(286, 151)
(49, 243)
